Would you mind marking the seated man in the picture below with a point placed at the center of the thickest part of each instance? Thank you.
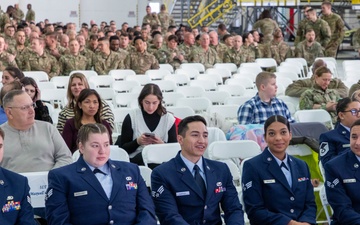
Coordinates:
(264, 104)
(298, 87)
(30, 145)
(190, 189)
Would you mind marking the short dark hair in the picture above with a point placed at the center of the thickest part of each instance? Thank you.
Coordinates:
(114, 38)
(321, 70)
(15, 72)
(275, 118)
(137, 38)
(90, 128)
(222, 27)
(173, 37)
(356, 123)
(183, 125)
(342, 105)
(226, 36)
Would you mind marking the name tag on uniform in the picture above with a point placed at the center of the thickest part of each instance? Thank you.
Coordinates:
(271, 181)
(346, 181)
(346, 145)
(80, 193)
(182, 193)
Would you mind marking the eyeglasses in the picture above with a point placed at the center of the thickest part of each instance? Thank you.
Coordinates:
(353, 112)
(24, 107)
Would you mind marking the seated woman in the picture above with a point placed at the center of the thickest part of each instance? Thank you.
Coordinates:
(41, 110)
(343, 183)
(249, 48)
(319, 96)
(337, 141)
(11, 74)
(150, 124)
(94, 190)
(87, 110)
(277, 188)
(77, 83)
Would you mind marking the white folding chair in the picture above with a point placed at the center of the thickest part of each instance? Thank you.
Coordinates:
(102, 81)
(284, 81)
(191, 73)
(207, 85)
(125, 99)
(266, 62)
(46, 85)
(294, 100)
(228, 66)
(194, 66)
(211, 76)
(237, 100)
(332, 67)
(119, 116)
(146, 175)
(142, 79)
(313, 115)
(60, 82)
(121, 74)
(106, 93)
(39, 76)
(54, 96)
(296, 64)
(325, 204)
(38, 183)
(250, 75)
(223, 116)
(87, 73)
(181, 111)
(234, 90)
(159, 153)
(170, 98)
(125, 85)
(244, 81)
(253, 65)
(255, 70)
(191, 91)
(179, 79)
(291, 75)
(289, 69)
(224, 73)
(302, 61)
(292, 108)
(199, 105)
(167, 67)
(157, 74)
(217, 97)
(165, 85)
(136, 89)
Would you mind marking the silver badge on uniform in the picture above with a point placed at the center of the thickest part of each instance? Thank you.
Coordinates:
(9, 198)
(83, 169)
(183, 169)
(218, 184)
(128, 178)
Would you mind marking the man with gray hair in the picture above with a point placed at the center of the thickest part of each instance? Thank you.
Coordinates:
(30, 145)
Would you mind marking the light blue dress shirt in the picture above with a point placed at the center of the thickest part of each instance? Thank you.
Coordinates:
(286, 172)
(105, 180)
(190, 165)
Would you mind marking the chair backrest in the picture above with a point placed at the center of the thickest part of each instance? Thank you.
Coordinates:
(291, 75)
(237, 100)
(125, 99)
(194, 66)
(54, 96)
(251, 76)
(46, 85)
(146, 175)
(199, 105)
(159, 153)
(179, 79)
(102, 81)
(228, 66)
(38, 183)
(106, 93)
(244, 81)
(181, 111)
(224, 73)
(313, 115)
(294, 100)
(233, 90)
(170, 98)
(142, 79)
(227, 112)
(157, 74)
(217, 97)
(60, 82)
(165, 85)
(167, 67)
(121, 74)
(211, 76)
(125, 85)
(251, 65)
(266, 62)
(214, 134)
(38, 76)
(284, 81)
(207, 85)
(286, 68)
(190, 72)
(87, 73)
(119, 116)
(242, 149)
(191, 91)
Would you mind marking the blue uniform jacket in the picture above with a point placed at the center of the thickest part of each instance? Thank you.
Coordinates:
(15, 199)
(268, 197)
(342, 188)
(334, 143)
(75, 196)
(179, 200)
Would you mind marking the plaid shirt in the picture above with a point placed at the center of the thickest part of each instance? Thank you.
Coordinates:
(255, 111)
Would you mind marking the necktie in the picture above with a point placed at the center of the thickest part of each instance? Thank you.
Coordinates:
(283, 165)
(199, 180)
(96, 170)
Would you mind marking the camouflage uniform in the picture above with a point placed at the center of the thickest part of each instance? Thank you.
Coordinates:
(309, 53)
(220, 49)
(4, 61)
(337, 33)
(322, 31)
(18, 15)
(267, 27)
(4, 19)
(298, 87)
(300, 33)
(233, 56)
(11, 42)
(165, 20)
(140, 62)
(186, 49)
(103, 64)
(46, 63)
(30, 15)
(70, 62)
(250, 53)
(316, 95)
(207, 58)
(89, 55)
(162, 55)
(150, 19)
(60, 49)
(22, 56)
(129, 48)
(279, 51)
(174, 61)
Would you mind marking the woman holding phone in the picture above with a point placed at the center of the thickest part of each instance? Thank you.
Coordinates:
(149, 124)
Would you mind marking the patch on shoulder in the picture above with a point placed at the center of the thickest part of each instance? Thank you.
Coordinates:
(324, 148)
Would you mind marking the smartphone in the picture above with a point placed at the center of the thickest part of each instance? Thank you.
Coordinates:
(149, 135)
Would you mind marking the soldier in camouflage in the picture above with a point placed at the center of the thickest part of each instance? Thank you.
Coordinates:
(158, 50)
(220, 48)
(73, 60)
(140, 60)
(20, 51)
(151, 18)
(321, 28)
(250, 50)
(5, 18)
(234, 55)
(266, 26)
(204, 54)
(124, 43)
(188, 44)
(309, 49)
(337, 29)
(30, 14)
(279, 49)
(9, 35)
(18, 14)
(106, 60)
(41, 60)
(115, 46)
(356, 40)
(6, 59)
(320, 96)
(165, 19)
(176, 56)
(300, 33)
(89, 55)
(53, 47)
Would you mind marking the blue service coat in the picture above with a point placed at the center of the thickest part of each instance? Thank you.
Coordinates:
(334, 143)
(179, 200)
(268, 197)
(14, 192)
(75, 196)
(342, 188)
